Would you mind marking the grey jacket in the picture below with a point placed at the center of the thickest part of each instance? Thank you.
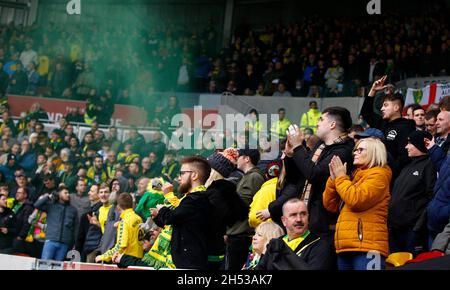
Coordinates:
(442, 241)
(109, 236)
(62, 220)
(246, 188)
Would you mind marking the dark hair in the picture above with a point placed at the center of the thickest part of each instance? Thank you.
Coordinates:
(431, 114)
(253, 111)
(281, 109)
(125, 201)
(356, 128)
(341, 116)
(444, 104)
(416, 107)
(201, 164)
(396, 97)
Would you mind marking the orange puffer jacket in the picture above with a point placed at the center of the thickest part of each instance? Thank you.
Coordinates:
(362, 223)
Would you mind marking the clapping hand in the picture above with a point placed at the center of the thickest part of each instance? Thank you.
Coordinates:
(337, 169)
(295, 136)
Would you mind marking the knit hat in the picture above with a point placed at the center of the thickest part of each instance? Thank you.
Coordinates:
(416, 139)
(224, 162)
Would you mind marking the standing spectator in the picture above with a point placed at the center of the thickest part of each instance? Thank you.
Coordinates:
(113, 139)
(157, 146)
(313, 166)
(8, 122)
(226, 206)
(4, 78)
(28, 55)
(150, 199)
(136, 140)
(62, 223)
(438, 209)
(22, 208)
(142, 184)
(334, 77)
(128, 240)
(172, 167)
(239, 234)
(7, 226)
(27, 158)
(97, 172)
(278, 129)
(412, 191)
(311, 118)
(59, 82)
(189, 219)
(443, 130)
(419, 117)
(33, 79)
(430, 121)
(89, 233)
(18, 82)
(80, 199)
(395, 128)
(10, 167)
(365, 195)
(164, 118)
(299, 249)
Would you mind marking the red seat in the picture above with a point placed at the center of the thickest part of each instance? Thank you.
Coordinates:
(426, 256)
(21, 254)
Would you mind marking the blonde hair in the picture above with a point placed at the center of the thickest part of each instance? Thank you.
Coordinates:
(213, 176)
(375, 151)
(269, 230)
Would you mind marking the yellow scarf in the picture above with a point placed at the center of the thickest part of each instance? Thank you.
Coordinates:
(293, 244)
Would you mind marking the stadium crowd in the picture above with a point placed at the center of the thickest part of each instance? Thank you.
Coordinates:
(334, 192)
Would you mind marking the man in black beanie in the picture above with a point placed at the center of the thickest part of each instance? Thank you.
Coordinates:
(412, 191)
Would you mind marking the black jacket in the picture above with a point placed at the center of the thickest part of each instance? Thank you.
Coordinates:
(226, 209)
(189, 234)
(7, 220)
(22, 215)
(89, 235)
(317, 175)
(294, 182)
(412, 191)
(396, 133)
(314, 253)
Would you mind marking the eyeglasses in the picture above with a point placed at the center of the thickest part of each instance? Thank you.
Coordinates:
(185, 171)
(358, 150)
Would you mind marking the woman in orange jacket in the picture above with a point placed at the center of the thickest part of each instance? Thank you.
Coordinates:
(361, 237)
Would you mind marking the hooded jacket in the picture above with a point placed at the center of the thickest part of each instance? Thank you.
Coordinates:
(396, 133)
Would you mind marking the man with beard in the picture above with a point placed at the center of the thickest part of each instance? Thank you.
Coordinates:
(299, 249)
(189, 219)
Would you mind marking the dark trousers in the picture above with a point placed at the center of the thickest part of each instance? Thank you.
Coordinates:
(236, 252)
(407, 241)
(33, 249)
